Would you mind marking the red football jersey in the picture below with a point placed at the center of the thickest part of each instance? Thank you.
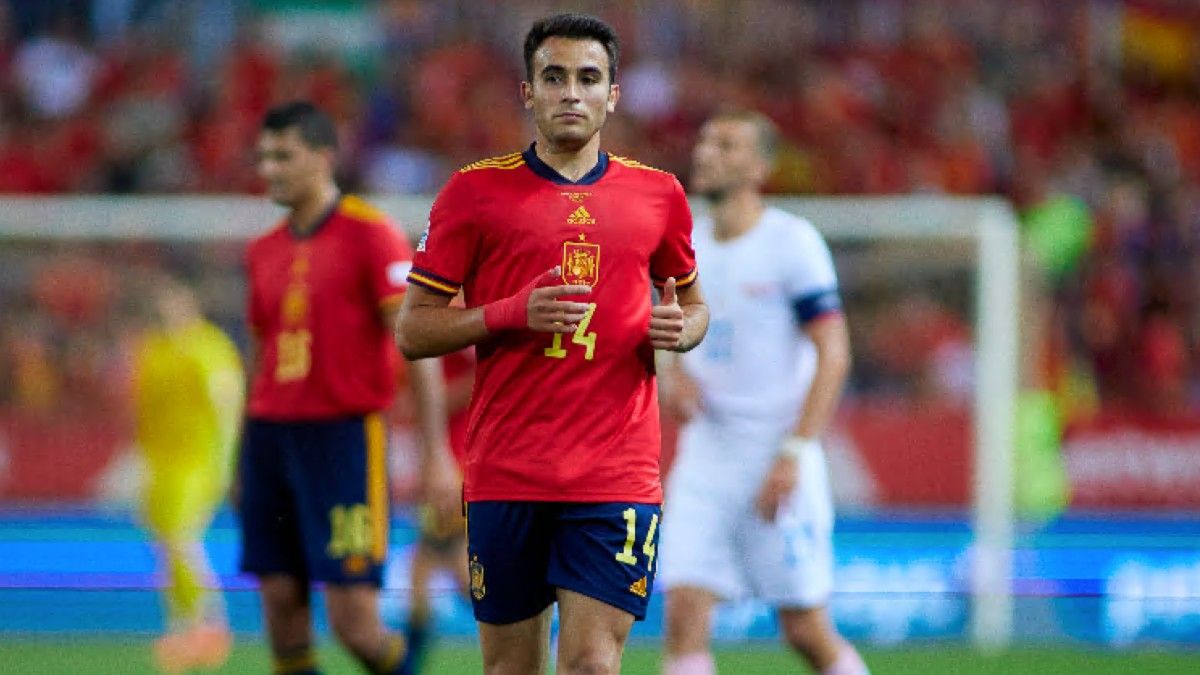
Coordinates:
(316, 306)
(455, 366)
(566, 417)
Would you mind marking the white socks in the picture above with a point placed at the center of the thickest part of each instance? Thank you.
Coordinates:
(848, 663)
(696, 663)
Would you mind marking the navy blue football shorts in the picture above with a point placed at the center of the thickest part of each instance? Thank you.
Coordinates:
(314, 499)
(520, 553)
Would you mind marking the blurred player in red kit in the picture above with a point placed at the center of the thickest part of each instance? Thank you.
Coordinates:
(325, 289)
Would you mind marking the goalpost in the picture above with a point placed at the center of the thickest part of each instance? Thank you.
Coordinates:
(982, 228)
(991, 226)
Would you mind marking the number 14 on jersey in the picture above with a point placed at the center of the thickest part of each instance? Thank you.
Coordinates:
(581, 336)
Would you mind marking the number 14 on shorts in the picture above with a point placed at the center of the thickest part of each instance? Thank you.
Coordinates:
(626, 555)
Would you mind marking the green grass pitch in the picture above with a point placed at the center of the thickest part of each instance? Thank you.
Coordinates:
(132, 657)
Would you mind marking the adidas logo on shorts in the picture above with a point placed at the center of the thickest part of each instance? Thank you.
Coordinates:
(638, 587)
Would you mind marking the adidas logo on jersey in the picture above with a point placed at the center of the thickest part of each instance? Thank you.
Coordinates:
(638, 587)
(581, 217)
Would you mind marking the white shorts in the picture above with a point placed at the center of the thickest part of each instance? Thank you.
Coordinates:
(712, 538)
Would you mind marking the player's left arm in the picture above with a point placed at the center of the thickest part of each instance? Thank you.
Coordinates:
(679, 320)
(832, 342)
(818, 308)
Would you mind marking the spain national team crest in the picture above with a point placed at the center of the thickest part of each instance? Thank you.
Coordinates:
(581, 262)
(478, 590)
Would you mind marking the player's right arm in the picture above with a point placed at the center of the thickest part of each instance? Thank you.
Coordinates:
(429, 326)
(255, 315)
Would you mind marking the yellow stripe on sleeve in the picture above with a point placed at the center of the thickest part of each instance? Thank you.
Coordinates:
(510, 161)
(680, 282)
(431, 283)
(687, 280)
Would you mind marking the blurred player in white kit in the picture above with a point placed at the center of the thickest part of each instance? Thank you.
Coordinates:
(748, 506)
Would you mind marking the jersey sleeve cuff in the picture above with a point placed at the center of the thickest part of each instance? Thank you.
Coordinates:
(682, 281)
(433, 282)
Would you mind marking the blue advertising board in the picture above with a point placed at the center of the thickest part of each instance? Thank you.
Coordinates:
(1101, 579)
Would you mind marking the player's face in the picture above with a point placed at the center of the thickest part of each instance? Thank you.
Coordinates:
(290, 167)
(727, 158)
(570, 94)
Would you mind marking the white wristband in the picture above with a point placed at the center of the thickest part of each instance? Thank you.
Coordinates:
(797, 447)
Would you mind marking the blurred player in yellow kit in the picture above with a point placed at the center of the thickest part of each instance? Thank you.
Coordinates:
(189, 389)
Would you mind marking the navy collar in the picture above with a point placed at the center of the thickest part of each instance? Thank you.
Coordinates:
(320, 221)
(546, 171)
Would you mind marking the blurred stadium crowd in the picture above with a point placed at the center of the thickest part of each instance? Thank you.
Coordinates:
(1085, 114)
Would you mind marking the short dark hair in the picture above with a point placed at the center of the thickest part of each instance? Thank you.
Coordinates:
(575, 27)
(765, 130)
(316, 128)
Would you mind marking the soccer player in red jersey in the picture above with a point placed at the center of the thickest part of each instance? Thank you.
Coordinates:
(325, 288)
(554, 249)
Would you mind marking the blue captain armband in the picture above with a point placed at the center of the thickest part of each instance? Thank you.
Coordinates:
(809, 307)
